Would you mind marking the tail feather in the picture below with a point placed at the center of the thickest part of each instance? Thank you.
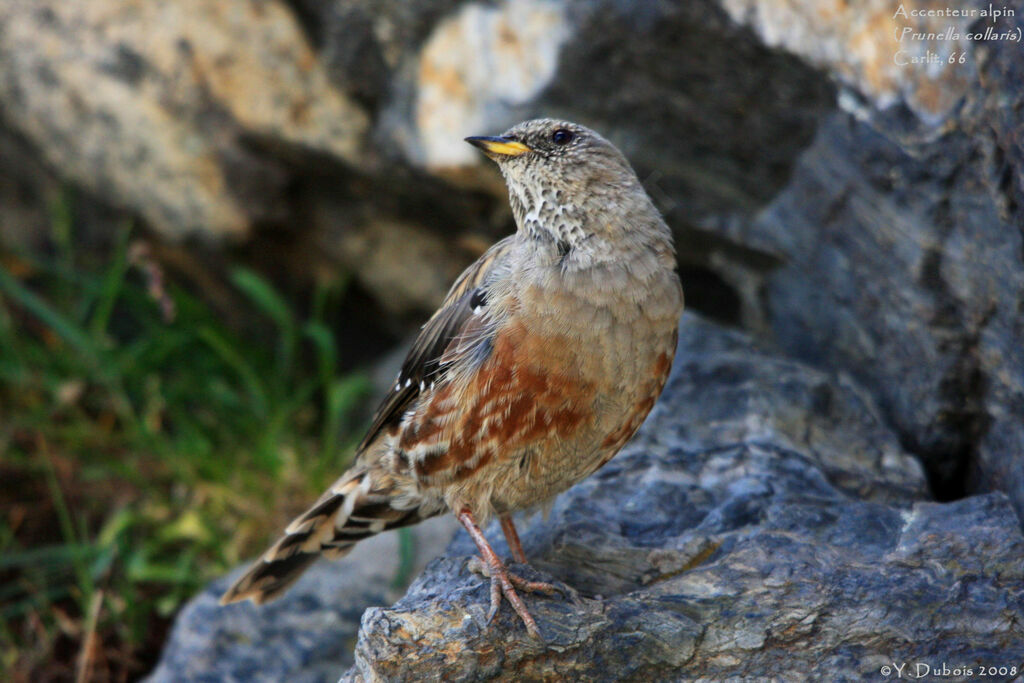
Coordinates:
(267, 581)
(356, 507)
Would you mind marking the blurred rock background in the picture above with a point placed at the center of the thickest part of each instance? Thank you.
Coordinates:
(861, 216)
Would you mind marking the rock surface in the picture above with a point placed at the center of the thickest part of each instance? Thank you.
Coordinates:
(859, 43)
(149, 104)
(900, 240)
(764, 523)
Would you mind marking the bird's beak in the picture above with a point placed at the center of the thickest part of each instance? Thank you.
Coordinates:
(497, 147)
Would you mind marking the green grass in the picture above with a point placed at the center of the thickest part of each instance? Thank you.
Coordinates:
(146, 447)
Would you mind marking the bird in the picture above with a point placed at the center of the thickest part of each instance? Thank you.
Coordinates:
(543, 360)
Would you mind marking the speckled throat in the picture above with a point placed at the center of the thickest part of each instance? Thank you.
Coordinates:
(542, 213)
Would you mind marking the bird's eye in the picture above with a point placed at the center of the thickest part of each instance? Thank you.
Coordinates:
(562, 136)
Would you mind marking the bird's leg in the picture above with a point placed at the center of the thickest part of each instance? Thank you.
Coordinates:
(512, 537)
(502, 582)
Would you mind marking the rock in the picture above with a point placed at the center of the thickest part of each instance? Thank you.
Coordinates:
(898, 247)
(614, 66)
(25, 190)
(33, 199)
(155, 106)
(404, 259)
(764, 524)
(799, 599)
(308, 634)
(482, 59)
(869, 47)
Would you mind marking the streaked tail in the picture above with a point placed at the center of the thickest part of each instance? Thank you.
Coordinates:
(356, 507)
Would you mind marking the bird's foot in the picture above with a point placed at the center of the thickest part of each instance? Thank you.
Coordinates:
(504, 582)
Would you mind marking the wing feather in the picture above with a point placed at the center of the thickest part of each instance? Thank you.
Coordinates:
(423, 365)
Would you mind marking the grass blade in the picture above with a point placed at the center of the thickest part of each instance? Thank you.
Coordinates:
(67, 330)
(112, 284)
(266, 298)
(233, 359)
(261, 293)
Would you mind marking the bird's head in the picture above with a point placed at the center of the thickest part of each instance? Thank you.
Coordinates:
(561, 176)
(562, 154)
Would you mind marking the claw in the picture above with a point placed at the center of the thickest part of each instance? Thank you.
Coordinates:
(477, 566)
(495, 601)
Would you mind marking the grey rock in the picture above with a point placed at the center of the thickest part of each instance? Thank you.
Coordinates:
(647, 73)
(156, 106)
(728, 542)
(857, 44)
(900, 259)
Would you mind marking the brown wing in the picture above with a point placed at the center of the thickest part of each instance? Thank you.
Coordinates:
(423, 366)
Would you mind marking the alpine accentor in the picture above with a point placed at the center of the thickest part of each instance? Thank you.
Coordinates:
(544, 359)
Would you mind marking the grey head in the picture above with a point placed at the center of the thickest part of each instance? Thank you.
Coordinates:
(569, 185)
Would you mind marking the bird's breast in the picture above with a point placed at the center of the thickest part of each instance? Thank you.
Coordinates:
(610, 333)
(571, 374)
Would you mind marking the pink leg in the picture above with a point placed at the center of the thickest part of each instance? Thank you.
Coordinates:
(512, 537)
(501, 581)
